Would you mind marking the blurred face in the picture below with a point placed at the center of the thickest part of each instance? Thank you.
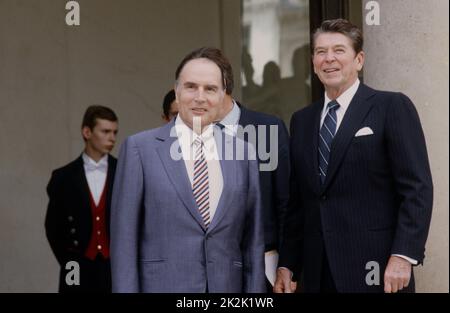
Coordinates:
(101, 139)
(199, 92)
(172, 112)
(336, 63)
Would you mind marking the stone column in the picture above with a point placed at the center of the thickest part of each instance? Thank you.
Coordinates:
(408, 52)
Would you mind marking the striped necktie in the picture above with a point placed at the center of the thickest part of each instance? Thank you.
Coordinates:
(326, 135)
(200, 186)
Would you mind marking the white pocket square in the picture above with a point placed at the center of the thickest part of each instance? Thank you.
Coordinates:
(365, 131)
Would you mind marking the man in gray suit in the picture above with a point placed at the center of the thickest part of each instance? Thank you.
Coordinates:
(184, 218)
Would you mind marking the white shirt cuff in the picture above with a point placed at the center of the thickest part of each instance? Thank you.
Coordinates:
(412, 261)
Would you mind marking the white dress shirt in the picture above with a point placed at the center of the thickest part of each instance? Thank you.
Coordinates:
(95, 175)
(186, 138)
(344, 102)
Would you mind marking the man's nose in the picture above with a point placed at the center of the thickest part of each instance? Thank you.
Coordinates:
(330, 57)
(200, 96)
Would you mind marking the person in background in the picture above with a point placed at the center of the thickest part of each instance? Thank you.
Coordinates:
(77, 219)
(271, 136)
(170, 106)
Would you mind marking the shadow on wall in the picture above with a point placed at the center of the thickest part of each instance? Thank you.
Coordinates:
(278, 96)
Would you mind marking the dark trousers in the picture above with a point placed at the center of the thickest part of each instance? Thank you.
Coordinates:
(326, 278)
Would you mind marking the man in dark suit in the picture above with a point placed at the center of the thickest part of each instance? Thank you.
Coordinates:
(269, 136)
(361, 192)
(77, 220)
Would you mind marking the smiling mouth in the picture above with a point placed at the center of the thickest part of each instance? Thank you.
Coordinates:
(331, 70)
(199, 111)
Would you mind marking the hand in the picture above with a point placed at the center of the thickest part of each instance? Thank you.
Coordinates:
(397, 274)
(283, 283)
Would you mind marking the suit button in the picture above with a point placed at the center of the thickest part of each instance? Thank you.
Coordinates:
(70, 218)
(99, 247)
(323, 198)
(97, 218)
(75, 242)
(98, 232)
(73, 231)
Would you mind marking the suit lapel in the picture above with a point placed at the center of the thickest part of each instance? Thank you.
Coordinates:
(176, 171)
(317, 111)
(228, 168)
(356, 112)
(81, 184)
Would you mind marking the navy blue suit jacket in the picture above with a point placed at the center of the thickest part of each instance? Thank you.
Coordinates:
(274, 184)
(376, 199)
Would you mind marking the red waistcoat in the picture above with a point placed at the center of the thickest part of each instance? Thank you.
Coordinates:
(99, 242)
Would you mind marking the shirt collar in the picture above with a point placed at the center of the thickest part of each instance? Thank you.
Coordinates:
(90, 164)
(187, 134)
(186, 137)
(231, 120)
(345, 98)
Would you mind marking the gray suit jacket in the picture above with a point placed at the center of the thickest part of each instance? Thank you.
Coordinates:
(158, 241)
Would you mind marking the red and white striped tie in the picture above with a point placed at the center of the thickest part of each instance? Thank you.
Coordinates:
(201, 182)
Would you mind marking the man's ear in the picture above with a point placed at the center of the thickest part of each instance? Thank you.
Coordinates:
(313, 66)
(86, 132)
(360, 57)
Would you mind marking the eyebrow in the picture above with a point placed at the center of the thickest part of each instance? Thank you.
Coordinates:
(195, 84)
(334, 47)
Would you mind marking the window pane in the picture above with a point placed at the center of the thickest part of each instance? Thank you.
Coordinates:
(276, 56)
